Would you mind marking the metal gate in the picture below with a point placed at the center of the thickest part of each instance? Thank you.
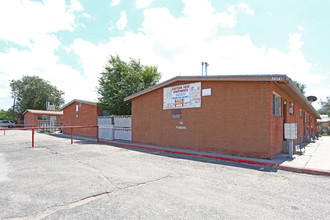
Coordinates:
(115, 127)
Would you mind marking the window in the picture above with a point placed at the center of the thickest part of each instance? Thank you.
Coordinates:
(300, 113)
(43, 117)
(306, 118)
(105, 112)
(176, 113)
(291, 108)
(276, 104)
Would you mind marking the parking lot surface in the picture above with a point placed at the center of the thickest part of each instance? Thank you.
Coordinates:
(86, 180)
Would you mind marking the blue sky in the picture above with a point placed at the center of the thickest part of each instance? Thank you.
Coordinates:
(68, 42)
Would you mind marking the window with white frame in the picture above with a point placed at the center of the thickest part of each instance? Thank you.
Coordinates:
(300, 113)
(291, 108)
(276, 104)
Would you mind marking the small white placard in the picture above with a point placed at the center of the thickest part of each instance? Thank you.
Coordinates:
(206, 92)
(290, 131)
(51, 107)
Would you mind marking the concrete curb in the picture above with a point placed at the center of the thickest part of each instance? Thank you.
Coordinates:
(236, 160)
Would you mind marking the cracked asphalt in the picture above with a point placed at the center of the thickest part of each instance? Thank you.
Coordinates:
(86, 180)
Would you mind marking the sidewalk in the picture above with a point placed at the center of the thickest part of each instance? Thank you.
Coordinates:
(316, 159)
(319, 155)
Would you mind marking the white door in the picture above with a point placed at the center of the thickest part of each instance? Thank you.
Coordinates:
(52, 121)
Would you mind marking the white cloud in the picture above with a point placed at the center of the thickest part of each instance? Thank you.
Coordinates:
(25, 20)
(40, 60)
(35, 28)
(143, 3)
(86, 15)
(295, 42)
(227, 18)
(122, 22)
(97, 54)
(111, 26)
(202, 15)
(115, 2)
(245, 8)
(75, 6)
(179, 45)
(300, 28)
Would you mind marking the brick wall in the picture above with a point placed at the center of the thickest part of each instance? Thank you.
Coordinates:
(31, 120)
(87, 115)
(234, 120)
(276, 128)
(99, 112)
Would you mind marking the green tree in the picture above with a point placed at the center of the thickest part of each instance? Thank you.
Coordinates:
(32, 92)
(300, 86)
(325, 107)
(323, 130)
(121, 79)
(6, 115)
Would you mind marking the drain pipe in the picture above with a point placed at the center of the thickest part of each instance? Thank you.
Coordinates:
(206, 64)
(202, 67)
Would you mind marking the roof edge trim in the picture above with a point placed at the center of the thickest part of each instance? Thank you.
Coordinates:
(43, 112)
(266, 78)
(78, 100)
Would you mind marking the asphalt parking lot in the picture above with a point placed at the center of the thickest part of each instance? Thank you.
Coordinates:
(86, 180)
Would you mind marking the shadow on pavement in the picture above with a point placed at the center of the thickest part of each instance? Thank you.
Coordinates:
(197, 158)
(85, 140)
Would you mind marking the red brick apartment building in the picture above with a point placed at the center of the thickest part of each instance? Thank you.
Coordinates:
(240, 115)
(81, 113)
(39, 118)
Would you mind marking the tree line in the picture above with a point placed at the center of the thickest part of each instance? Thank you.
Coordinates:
(118, 80)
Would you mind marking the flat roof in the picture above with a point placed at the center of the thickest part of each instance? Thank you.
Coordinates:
(43, 112)
(281, 80)
(78, 100)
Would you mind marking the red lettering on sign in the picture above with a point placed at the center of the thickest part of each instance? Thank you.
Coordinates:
(178, 103)
(181, 90)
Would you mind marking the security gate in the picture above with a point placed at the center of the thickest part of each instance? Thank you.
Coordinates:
(115, 127)
(105, 128)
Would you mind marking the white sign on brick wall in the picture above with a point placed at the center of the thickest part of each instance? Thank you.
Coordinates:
(182, 96)
(206, 92)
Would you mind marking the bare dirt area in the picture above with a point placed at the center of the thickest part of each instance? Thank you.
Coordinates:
(86, 180)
